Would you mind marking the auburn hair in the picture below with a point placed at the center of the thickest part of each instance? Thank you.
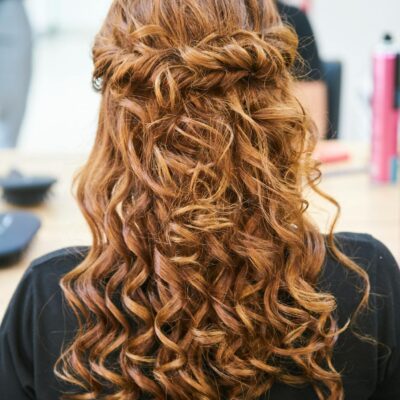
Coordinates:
(202, 279)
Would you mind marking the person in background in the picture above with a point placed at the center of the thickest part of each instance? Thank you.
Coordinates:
(310, 87)
(15, 69)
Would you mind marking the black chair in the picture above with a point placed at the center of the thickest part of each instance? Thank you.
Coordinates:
(332, 75)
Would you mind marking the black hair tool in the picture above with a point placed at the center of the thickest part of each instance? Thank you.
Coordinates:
(25, 191)
(17, 229)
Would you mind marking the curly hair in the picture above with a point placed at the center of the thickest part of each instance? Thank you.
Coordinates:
(202, 279)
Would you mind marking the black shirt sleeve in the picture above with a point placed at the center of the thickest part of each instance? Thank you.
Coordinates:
(35, 327)
(367, 353)
(308, 66)
(16, 349)
(387, 304)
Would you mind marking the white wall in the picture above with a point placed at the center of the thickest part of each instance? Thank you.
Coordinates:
(67, 15)
(345, 29)
(62, 107)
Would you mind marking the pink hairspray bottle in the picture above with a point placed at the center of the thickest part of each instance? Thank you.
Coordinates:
(385, 112)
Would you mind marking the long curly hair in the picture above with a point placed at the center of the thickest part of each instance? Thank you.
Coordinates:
(202, 279)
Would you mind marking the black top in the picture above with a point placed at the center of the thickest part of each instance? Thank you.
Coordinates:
(308, 67)
(37, 322)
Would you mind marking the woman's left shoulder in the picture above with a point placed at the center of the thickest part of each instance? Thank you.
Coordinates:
(58, 262)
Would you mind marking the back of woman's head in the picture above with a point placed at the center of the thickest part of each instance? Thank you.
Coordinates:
(201, 281)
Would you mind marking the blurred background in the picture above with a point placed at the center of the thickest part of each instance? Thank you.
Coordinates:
(61, 109)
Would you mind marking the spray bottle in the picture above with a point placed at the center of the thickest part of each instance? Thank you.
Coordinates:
(385, 112)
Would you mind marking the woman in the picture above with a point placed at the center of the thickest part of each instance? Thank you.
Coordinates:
(205, 279)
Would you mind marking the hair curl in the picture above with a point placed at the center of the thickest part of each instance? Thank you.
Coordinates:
(201, 282)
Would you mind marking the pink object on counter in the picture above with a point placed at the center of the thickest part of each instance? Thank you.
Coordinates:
(385, 118)
(331, 152)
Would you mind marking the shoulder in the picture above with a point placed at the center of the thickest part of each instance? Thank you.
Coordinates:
(356, 244)
(370, 255)
(368, 252)
(40, 286)
(379, 321)
(39, 289)
(54, 265)
(63, 258)
(37, 323)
